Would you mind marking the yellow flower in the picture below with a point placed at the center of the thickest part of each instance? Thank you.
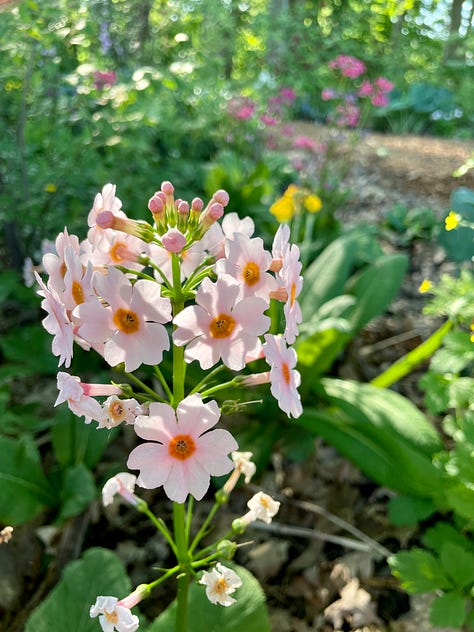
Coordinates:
(283, 209)
(312, 203)
(292, 190)
(425, 286)
(50, 187)
(472, 332)
(452, 220)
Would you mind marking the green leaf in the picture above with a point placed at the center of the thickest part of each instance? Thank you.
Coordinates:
(248, 613)
(319, 350)
(75, 441)
(78, 490)
(443, 532)
(98, 572)
(458, 564)
(458, 243)
(418, 571)
(460, 497)
(449, 610)
(25, 490)
(326, 276)
(375, 288)
(436, 389)
(409, 511)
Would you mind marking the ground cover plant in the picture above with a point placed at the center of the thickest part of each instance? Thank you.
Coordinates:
(179, 315)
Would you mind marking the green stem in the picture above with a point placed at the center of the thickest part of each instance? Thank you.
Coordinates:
(179, 524)
(162, 528)
(219, 387)
(163, 382)
(203, 530)
(144, 387)
(206, 379)
(307, 238)
(408, 362)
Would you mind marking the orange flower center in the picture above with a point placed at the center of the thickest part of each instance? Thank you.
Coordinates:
(222, 326)
(117, 411)
(221, 585)
(62, 269)
(127, 321)
(251, 273)
(112, 617)
(292, 294)
(286, 372)
(181, 447)
(77, 292)
(118, 252)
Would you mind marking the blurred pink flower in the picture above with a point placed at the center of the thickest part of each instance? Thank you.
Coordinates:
(284, 378)
(379, 100)
(327, 94)
(103, 79)
(383, 84)
(306, 142)
(349, 66)
(271, 121)
(366, 89)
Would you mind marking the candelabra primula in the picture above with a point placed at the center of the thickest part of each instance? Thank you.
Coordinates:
(186, 285)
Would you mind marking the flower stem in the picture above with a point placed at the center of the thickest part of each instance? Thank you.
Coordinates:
(179, 524)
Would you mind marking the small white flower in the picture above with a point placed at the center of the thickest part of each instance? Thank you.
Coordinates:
(6, 534)
(220, 583)
(113, 616)
(123, 484)
(243, 463)
(263, 507)
(116, 410)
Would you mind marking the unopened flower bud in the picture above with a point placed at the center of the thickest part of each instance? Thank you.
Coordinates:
(173, 240)
(142, 230)
(227, 549)
(140, 592)
(221, 196)
(167, 188)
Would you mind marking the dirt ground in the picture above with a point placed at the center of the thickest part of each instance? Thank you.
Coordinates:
(312, 579)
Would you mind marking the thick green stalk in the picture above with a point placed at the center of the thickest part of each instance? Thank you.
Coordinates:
(408, 362)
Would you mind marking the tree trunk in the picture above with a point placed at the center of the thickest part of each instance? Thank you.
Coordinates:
(451, 49)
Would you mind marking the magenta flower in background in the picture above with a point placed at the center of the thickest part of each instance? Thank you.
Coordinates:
(271, 121)
(103, 79)
(327, 94)
(383, 84)
(379, 100)
(366, 89)
(349, 66)
(306, 142)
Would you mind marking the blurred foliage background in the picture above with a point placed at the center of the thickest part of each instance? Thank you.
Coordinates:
(138, 92)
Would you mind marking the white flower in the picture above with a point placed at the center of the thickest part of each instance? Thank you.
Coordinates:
(6, 534)
(113, 616)
(262, 507)
(122, 483)
(220, 583)
(116, 410)
(243, 464)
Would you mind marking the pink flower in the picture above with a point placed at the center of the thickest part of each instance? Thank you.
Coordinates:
(214, 239)
(123, 484)
(104, 201)
(349, 66)
(173, 240)
(283, 376)
(131, 326)
(113, 616)
(327, 94)
(57, 323)
(220, 583)
(104, 78)
(305, 142)
(383, 84)
(288, 95)
(281, 243)
(115, 249)
(54, 264)
(77, 280)
(247, 262)
(182, 453)
(72, 390)
(220, 326)
(380, 100)
(293, 283)
(116, 411)
(366, 89)
(271, 121)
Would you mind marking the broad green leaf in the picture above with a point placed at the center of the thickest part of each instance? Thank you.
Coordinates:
(458, 243)
(75, 441)
(385, 409)
(25, 491)
(409, 511)
(248, 613)
(98, 572)
(418, 571)
(449, 610)
(458, 563)
(461, 498)
(375, 288)
(78, 490)
(436, 388)
(326, 276)
(319, 350)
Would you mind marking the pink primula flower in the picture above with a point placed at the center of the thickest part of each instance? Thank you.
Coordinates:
(113, 615)
(215, 238)
(74, 392)
(54, 264)
(116, 249)
(366, 89)
(123, 484)
(293, 284)
(116, 411)
(220, 326)
(284, 378)
(131, 326)
(380, 100)
(247, 262)
(182, 453)
(77, 280)
(383, 84)
(57, 323)
(104, 201)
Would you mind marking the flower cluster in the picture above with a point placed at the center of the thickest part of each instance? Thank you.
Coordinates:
(295, 201)
(133, 290)
(353, 91)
